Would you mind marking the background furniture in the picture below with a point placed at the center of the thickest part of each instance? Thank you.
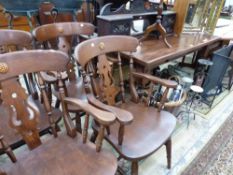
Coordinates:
(157, 26)
(204, 16)
(153, 53)
(201, 69)
(120, 22)
(222, 66)
(27, 12)
(194, 97)
(64, 36)
(140, 130)
(63, 155)
(181, 8)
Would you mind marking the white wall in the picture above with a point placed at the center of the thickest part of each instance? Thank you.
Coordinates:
(228, 2)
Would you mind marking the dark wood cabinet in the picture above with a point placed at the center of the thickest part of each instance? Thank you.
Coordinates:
(121, 24)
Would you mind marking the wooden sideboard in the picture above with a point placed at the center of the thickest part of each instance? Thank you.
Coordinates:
(120, 24)
(120, 21)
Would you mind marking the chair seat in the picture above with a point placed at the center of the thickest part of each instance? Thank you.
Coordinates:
(13, 138)
(63, 156)
(148, 131)
(75, 89)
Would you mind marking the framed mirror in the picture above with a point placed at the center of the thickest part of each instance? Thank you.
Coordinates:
(202, 15)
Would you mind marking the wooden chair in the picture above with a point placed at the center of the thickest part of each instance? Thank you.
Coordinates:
(12, 40)
(140, 130)
(63, 36)
(63, 154)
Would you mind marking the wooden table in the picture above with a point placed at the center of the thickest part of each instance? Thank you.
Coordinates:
(151, 53)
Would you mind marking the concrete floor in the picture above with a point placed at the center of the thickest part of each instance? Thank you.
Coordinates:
(188, 142)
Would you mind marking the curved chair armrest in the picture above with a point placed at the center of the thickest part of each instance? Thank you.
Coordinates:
(173, 104)
(103, 117)
(154, 79)
(123, 117)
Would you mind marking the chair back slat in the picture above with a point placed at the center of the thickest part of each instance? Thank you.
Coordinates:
(121, 77)
(15, 37)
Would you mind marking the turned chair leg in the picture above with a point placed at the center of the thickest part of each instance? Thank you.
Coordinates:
(168, 145)
(78, 122)
(57, 104)
(134, 168)
(94, 136)
(57, 127)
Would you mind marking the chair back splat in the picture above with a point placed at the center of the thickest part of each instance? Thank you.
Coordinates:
(105, 87)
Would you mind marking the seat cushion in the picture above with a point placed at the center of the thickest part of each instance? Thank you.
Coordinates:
(12, 137)
(149, 130)
(62, 156)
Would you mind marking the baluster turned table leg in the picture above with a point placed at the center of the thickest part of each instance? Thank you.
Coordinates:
(168, 145)
(134, 168)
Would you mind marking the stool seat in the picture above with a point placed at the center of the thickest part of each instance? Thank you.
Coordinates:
(187, 82)
(196, 89)
(205, 62)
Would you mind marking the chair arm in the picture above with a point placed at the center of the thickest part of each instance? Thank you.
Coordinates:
(103, 117)
(123, 117)
(163, 82)
(173, 104)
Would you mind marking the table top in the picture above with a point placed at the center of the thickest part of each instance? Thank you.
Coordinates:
(154, 52)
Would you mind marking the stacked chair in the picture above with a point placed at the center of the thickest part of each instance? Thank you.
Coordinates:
(84, 81)
(63, 36)
(64, 154)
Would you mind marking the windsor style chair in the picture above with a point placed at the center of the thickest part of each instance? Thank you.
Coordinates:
(13, 40)
(140, 129)
(64, 154)
(63, 36)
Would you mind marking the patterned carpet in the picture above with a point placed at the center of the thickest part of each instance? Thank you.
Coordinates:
(216, 158)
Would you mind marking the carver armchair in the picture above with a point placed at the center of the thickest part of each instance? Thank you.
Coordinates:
(140, 129)
(63, 155)
(63, 37)
(10, 41)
